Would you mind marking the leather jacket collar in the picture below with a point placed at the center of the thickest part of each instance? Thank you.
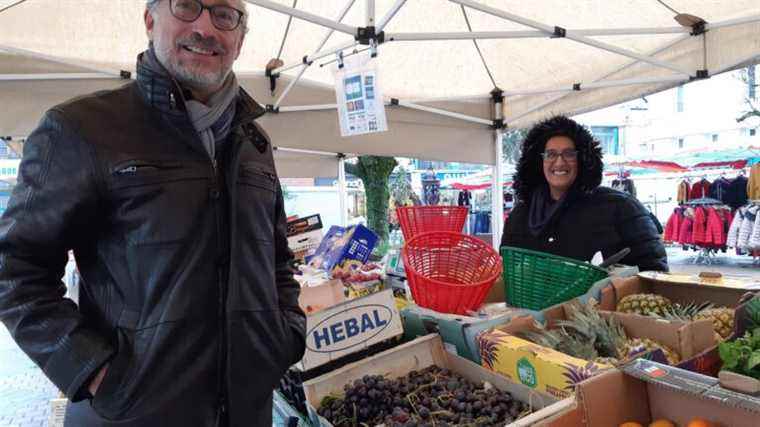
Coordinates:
(163, 93)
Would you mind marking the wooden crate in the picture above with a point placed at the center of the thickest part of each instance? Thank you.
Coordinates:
(419, 354)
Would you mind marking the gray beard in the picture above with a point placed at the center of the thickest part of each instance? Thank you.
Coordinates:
(186, 76)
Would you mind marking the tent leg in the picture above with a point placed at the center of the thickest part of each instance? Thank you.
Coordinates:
(342, 193)
(497, 191)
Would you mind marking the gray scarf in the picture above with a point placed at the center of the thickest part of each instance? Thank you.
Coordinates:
(213, 121)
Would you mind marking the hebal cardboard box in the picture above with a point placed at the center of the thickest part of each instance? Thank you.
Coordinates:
(342, 246)
(304, 235)
(348, 326)
(645, 391)
(419, 354)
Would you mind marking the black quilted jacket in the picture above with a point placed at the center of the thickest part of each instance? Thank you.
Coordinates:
(605, 220)
(187, 288)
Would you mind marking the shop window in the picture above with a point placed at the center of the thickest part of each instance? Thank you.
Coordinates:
(608, 137)
(680, 142)
(715, 137)
(752, 132)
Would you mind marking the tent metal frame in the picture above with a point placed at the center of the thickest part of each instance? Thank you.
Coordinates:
(373, 35)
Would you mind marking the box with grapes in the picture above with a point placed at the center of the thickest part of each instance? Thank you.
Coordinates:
(421, 384)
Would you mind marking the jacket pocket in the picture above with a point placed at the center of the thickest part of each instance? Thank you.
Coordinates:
(257, 190)
(109, 401)
(158, 201)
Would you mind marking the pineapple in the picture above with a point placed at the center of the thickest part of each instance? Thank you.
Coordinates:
(684, 313)
(644, 304)
(722, 319)
(636, 346)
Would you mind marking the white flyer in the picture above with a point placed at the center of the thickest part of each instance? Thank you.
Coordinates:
(360, 101)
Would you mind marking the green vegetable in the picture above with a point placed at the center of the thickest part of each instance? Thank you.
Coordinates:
(743, 354)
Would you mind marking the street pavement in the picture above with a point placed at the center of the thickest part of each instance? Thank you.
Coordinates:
(25, 393)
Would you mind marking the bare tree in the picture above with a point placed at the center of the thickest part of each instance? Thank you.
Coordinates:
(751, 100)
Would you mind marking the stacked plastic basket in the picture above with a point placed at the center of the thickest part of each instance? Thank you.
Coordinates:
(448, 271)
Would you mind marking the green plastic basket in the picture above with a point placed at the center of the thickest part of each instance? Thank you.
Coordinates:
(537, 280)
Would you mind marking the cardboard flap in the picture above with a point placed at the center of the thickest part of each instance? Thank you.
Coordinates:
(596, 396)
(687, 338)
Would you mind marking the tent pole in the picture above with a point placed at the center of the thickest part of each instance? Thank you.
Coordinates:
(313, 57)
(388, 16)
(497, 189)
(450, 98)
(600, 84)
(306, 16)
(57, 76)
(732, 22)
(297, 108)
(342, 193)
(370, 19)
(36, 55)
(568, 34)
(612, 73)
(529, 34)
(444, 113)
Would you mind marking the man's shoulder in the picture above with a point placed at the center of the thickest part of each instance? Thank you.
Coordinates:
(100, 105)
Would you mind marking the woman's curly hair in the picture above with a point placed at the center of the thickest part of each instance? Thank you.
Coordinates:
(530, 172)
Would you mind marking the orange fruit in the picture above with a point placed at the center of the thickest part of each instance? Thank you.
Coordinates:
(699, 422)
(662, 423)
(631, 424)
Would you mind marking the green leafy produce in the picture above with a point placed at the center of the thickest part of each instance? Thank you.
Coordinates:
(743, 354)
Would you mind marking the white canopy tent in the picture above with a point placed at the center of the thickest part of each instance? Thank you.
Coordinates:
(439, 62)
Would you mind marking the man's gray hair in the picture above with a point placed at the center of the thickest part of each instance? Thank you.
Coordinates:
(151, 4)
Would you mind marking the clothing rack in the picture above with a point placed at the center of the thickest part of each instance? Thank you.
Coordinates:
(703, 201)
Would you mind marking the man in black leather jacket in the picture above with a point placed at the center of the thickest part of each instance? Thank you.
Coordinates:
(165, 189)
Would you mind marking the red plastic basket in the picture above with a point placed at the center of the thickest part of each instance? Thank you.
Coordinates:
(450, 272)
(422, 219)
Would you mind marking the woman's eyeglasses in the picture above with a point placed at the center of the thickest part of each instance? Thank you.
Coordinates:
(553, 155)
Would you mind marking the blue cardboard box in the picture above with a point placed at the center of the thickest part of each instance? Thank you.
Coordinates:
(343, 247)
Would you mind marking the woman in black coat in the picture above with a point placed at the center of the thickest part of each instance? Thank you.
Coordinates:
(561, 208)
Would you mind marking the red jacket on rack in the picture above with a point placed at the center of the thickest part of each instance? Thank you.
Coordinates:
(685, 233)
(699, 190)
(673, 227)
(700, 227)
(716, 233)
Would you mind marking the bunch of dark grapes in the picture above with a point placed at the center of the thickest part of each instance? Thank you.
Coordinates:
(430, 397)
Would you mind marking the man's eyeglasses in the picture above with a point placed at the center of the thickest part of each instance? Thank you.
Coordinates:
(553, 155)
(224, 18)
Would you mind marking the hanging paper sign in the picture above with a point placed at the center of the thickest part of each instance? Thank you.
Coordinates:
(360, 101)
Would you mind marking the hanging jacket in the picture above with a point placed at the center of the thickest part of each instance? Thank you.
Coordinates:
(736, 193)
(748, 224)
(754, 238)
(753, 185)
(700, 190)
(719, 189)
(673, 226)
(685, 234)
(700, 227)
(683, 192)
(732, 239)
(715, 234)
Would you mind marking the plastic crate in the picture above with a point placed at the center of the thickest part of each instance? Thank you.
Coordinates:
(537, 280)
(422, 219)
(450, 272)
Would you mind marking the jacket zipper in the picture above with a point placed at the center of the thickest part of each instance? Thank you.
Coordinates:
(222, 302)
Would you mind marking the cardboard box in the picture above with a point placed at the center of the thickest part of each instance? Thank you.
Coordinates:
(674, 287)
(556, 373)
(684, 289)
(304, 235)
(343, 246)
(348, 327)
(317, 298)
(419, 354)
(645, 391)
